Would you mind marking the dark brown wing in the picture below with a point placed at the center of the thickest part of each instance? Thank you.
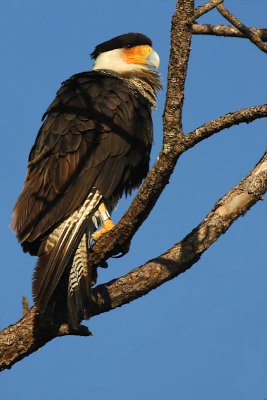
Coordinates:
(96, 133)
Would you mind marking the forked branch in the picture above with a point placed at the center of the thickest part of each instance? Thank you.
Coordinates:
(160, 175)
(253, 37)
(173, 139)
(256, 36)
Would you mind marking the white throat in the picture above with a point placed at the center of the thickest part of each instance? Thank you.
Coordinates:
(114, 61)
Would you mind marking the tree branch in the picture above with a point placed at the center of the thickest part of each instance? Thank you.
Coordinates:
(33, 330)
(226, 31)
(186, 253)
(28, 335)
(173, 145)
(159, 176)
(226, 121)
(239, 25)
(203, 9)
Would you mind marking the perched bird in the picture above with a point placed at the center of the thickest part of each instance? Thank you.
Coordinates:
(93, 146)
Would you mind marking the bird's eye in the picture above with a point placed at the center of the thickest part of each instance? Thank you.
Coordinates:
(129, 46)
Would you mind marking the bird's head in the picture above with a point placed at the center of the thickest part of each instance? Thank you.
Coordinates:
(129, 52)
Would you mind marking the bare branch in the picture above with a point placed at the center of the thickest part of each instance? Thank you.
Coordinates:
(226, 121)
(33, 331)
(239, 25)
(29, 334)
(185, 254)
(199, 11)
(173, 146)
(226, 31)
(180, 51)
(160, 174)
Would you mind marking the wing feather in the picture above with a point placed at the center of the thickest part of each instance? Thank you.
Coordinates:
(96, 132)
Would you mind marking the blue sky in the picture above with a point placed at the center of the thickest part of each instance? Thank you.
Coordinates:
(202, 335)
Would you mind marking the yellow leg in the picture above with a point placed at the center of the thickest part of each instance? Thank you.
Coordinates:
(108, 224)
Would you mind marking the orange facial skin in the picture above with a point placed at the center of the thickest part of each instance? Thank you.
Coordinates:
(137, 54)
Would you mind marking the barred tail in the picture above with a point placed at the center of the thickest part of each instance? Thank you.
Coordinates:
(66, 248)
(79, 285)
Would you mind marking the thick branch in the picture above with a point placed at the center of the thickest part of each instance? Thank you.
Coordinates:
(224, 30)
(185, 254)
(32, 331)
(226, 121)
(180, 50)
(239, 25)
(160, 173)
(28, 335)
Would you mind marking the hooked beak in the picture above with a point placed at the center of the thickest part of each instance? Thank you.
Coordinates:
(153, 59)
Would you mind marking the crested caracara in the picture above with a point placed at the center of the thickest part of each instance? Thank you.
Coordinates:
(93, 146)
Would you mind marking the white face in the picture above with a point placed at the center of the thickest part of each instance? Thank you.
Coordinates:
(115, 61)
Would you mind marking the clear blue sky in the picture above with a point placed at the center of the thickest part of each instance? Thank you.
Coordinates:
(202, 335)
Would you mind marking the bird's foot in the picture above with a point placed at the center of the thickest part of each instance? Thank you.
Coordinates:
(108, 224)
(122, 250)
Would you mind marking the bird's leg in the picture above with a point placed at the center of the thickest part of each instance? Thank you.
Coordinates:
(108, 224)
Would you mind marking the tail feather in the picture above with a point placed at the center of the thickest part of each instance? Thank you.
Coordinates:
(79, 285)
(60, 249)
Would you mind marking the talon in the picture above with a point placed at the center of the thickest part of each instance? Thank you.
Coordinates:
(107, 226)
(122, 250)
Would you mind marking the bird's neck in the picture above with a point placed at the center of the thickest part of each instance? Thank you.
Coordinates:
(146, 82)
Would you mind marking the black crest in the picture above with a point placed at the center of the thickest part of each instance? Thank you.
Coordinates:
(118, 42)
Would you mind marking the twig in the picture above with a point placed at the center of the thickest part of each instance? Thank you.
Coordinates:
(225, 121)
(199, 11)
(25, 305)
(228, 31)
(239, 25)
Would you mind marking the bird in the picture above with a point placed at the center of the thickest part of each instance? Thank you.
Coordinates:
(93, 146)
